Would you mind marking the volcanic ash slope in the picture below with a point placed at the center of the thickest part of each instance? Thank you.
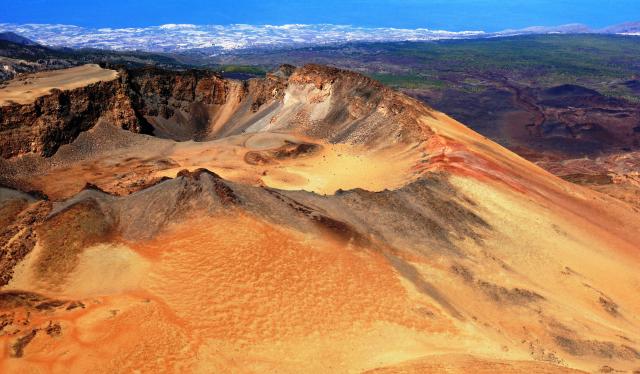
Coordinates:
(310, 221)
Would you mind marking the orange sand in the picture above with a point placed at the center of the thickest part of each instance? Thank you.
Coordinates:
(27, 88)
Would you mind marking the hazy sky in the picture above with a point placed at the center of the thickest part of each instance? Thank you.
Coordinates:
(454, 15)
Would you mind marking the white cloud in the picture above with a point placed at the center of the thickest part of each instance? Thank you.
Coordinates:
(177, 26)
(177, 37)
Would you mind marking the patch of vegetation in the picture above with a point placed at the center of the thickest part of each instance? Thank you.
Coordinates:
(82, 56)
(534, 60)
(571, 55)
(407, 81)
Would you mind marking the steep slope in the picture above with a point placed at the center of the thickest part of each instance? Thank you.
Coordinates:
(38, 112)
(321, 223)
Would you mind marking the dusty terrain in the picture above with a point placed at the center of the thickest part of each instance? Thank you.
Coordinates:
(26, 89)
(310, 221)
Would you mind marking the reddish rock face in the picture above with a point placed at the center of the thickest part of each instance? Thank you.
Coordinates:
(57, 118)
(187, 86)
(42, 126)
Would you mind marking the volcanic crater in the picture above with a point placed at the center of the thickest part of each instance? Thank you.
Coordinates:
(310, 221)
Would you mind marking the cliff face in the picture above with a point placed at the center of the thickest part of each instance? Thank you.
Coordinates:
(145, 100)
(198, 105)
(175, 104)
(187, 105)
(55, 119)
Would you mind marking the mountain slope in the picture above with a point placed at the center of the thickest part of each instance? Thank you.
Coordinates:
(320, 223)
(15, 38)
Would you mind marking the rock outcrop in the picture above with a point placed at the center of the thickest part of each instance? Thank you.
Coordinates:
(187, 105)
(55, 119)
(195, 104)
(201, 105)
